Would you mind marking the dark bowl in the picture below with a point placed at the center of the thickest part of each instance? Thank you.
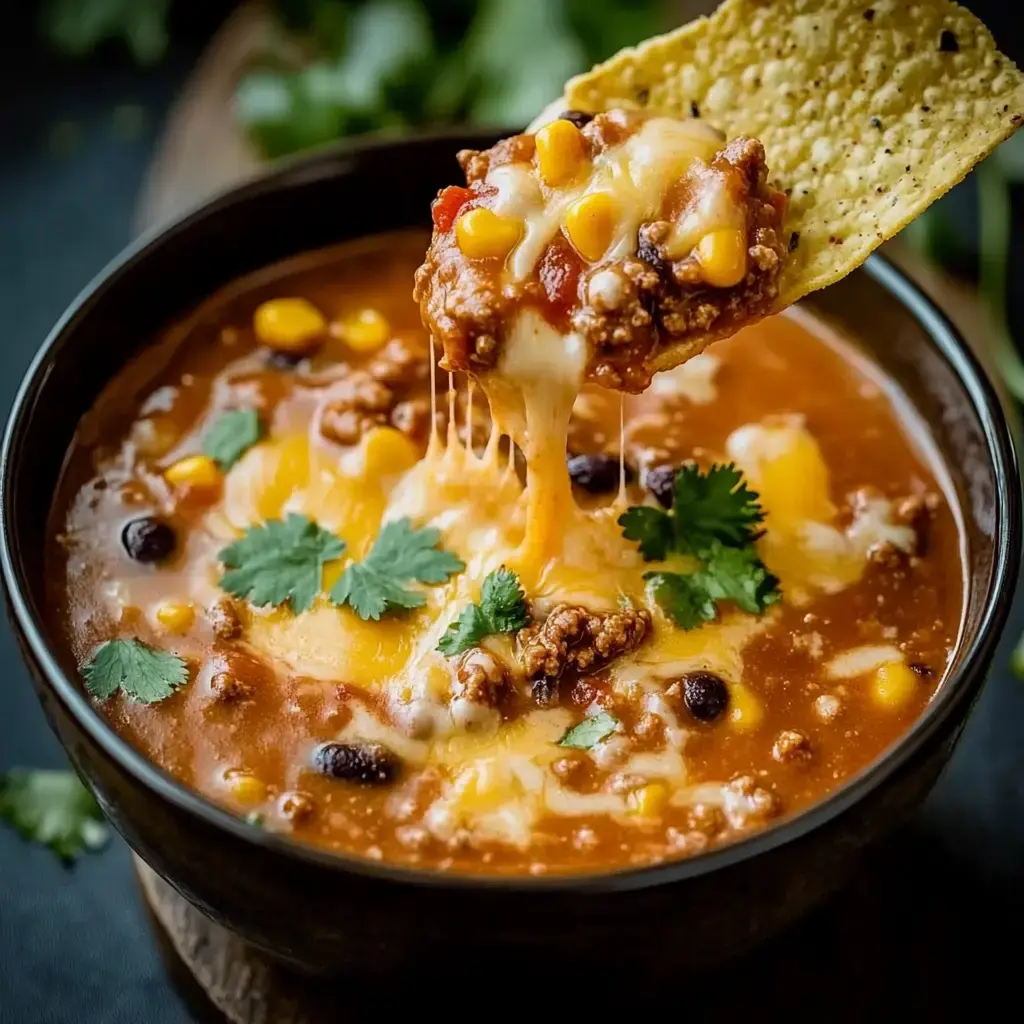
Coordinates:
(328, 913)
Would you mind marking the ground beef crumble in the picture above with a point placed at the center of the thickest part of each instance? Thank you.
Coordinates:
(627, 311)
(481, 678)
(573, 637)
(379, 394)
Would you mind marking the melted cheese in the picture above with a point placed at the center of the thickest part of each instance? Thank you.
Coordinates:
(802, 545)
(637, 174)
(497, 779)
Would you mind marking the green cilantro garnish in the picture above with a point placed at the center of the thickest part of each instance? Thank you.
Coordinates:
(400, 555)
(716, 505)
(714, 518)
(231, 436)
(53, 808)
(502, 609)
(280, 562)
(137, 670)
(683, 597)
(584, 735)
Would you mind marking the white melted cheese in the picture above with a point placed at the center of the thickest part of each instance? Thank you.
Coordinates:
(693, 380)
(637, 173)
(802, 545)
(859, 661)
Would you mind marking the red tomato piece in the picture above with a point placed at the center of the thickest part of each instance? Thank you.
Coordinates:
(446, 206)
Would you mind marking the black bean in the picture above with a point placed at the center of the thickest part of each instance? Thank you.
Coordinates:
(647, 251)
(370, 763)
(596, 473)
(661, 481)
(577, 117)
(285, 360)
(545, 692)
(948, 42)
(705, 695)
(148, 539)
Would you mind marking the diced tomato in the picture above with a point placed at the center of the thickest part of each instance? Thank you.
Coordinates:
(559, 274)
(446, 206)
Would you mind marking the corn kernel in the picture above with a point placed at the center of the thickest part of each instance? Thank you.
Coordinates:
(648, 801)
(482, 233)
(386, 451)
(590, 224)
(560, 152)
(288, 325)
(894, 685)
(365, 331)
(197, 472)
(177, 616)
(723, 257)
(745, 710)
(246, 789)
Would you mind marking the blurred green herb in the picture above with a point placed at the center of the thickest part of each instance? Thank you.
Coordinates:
(339, 67)
(934, 236)
(77, 27)
(52, 808)
(381, 64)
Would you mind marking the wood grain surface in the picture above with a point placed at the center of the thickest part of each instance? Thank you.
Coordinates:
(200, 154)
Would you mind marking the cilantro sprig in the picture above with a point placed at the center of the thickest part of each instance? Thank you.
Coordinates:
(716, 519)
(139, 671)
(280, 562)
(231, 436)
(588, 733)
(400, 555)
(716, 505)
(502, 609)
(52, 808)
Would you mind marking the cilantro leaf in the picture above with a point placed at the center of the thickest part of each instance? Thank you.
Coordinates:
(280, 562)
(727, 574)
(652, 528)
(584, 735)
(400, 555)
(716, 505)
(78, 28)
(53, 808)
(715, 518)
(684, 598)
(231, 436)
(136, 669)
(502, 609)
(738, 575)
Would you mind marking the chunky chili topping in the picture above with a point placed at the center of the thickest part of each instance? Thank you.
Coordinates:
(633, 231)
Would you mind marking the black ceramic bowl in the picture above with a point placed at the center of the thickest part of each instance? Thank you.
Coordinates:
(326, 913)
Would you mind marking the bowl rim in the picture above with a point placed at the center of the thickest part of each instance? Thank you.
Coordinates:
(977, 646)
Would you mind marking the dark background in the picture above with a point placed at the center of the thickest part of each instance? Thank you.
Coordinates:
(929, 926)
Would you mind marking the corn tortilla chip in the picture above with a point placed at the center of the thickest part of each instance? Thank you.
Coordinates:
(869, 110)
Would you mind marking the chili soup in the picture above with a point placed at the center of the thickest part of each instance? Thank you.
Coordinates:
(302, 570)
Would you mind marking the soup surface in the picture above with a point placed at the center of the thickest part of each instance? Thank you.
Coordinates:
(442, 696)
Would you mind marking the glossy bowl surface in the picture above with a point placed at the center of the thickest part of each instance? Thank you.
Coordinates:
(324, 912)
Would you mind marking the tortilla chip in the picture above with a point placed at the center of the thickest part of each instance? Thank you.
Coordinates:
(869, 110)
